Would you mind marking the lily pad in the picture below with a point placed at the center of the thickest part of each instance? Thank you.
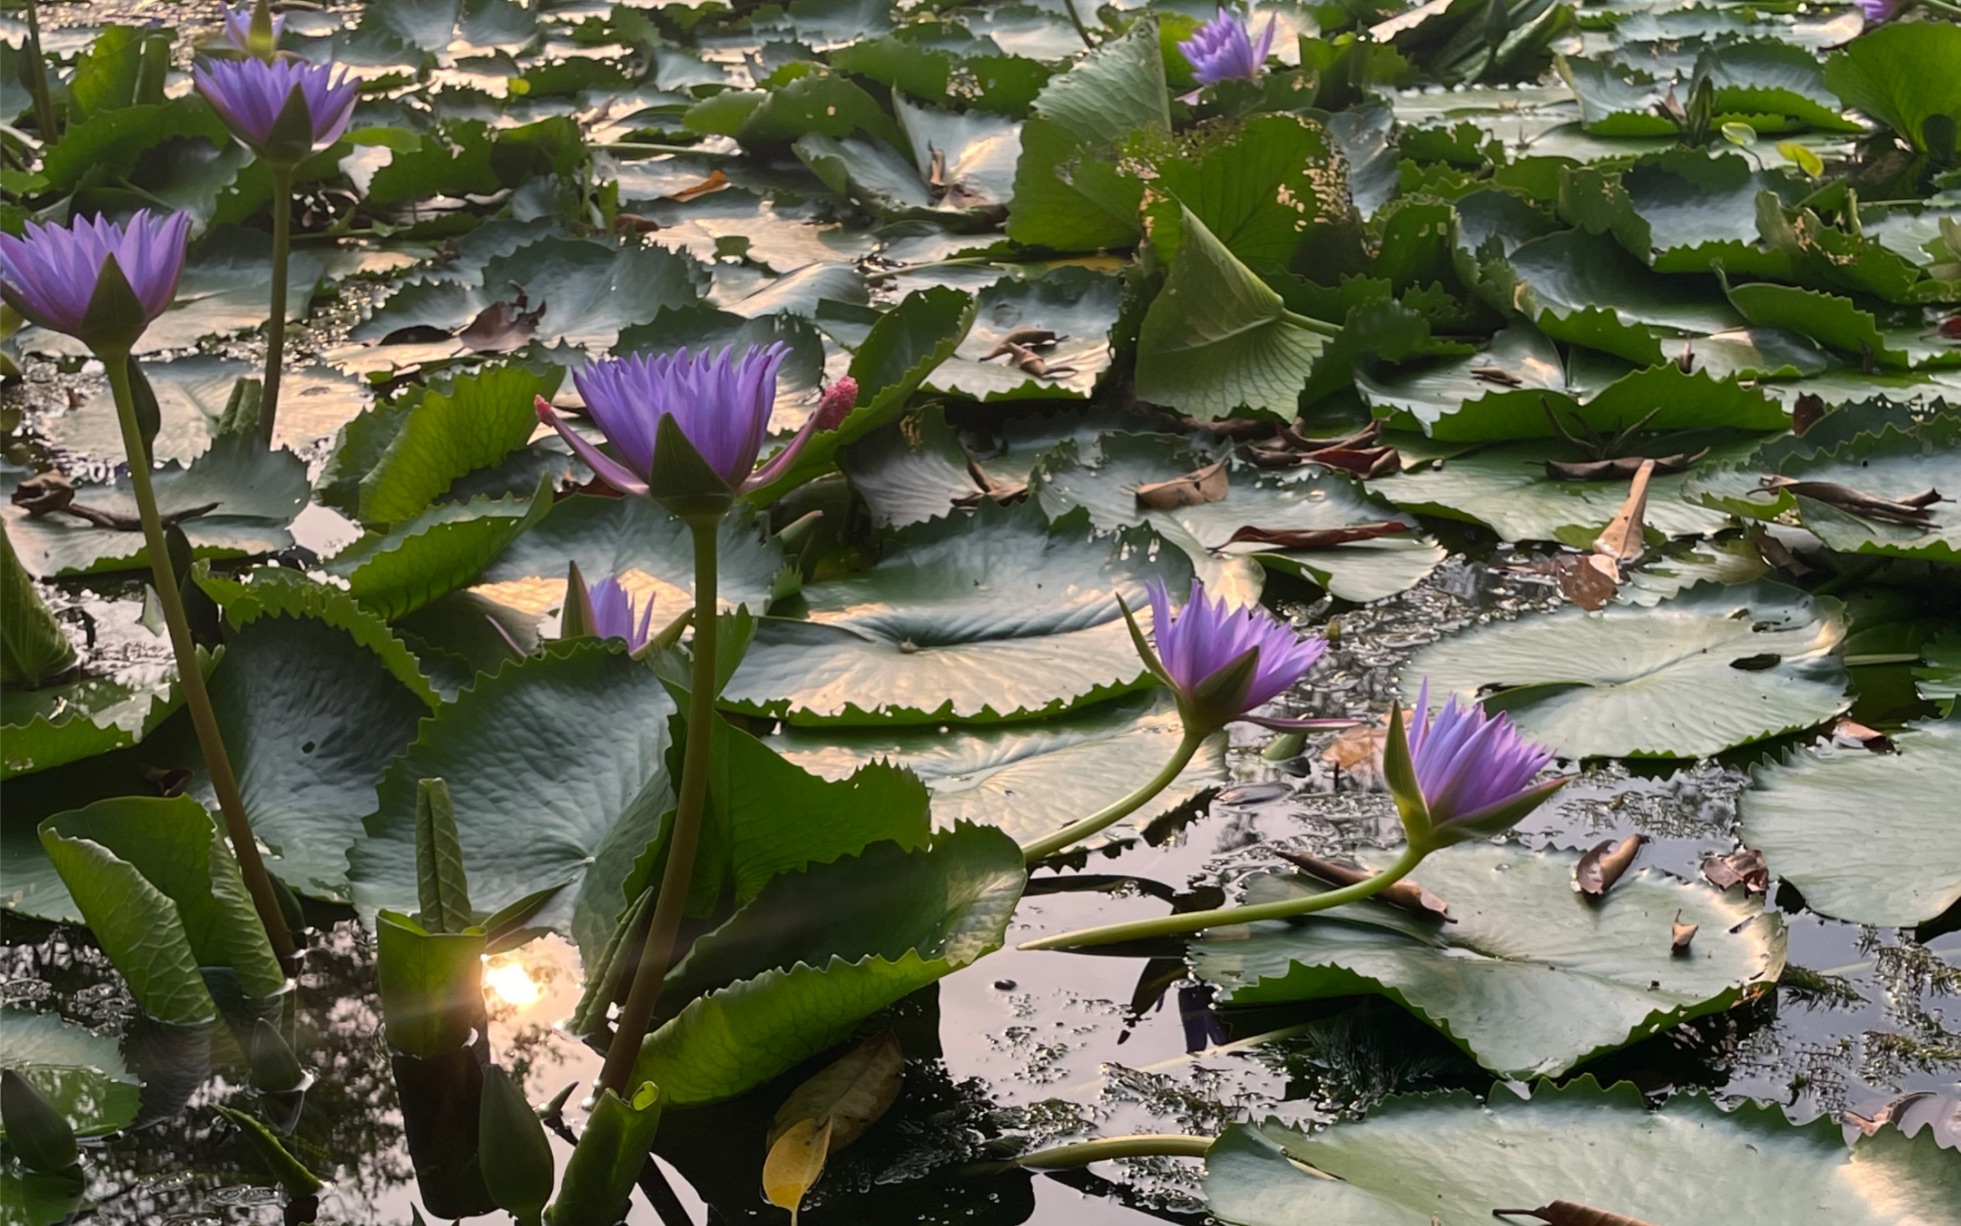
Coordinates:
(998, 616)
(1305, 498)
(1452, 1159)
(1688, 677)
(314, 401)
(551, 762)
(51, 727)
(1866, 837)
(1533, 978)
(79, 1072)
(1078, 305)
(816, 952)
(642, 545)
(1030, 780)
(252, 495)
(442, 549)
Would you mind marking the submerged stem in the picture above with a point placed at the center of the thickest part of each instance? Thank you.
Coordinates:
(216, 762)
(1111, 814)
(1198, 921)
(657, 950)
(282, 243)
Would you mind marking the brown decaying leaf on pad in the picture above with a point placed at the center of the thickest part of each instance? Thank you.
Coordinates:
(1680, 934)
(1851, 734)
(1498, 375)
(988, 488)
(1805, 411)
(501, 326)
(715, 182)
(1315, 538)
(1622, 539)
(1911, 510)
(1405, 894)
(1745, 868)
(1620, 468)
(1571, 1213)
(1600, 868)
(1589, 580)
(1208, 484)
(1021, 338)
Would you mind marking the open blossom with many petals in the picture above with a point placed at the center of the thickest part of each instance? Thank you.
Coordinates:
(1472, 772)
(52, 274)
(611, 614)
(238, 27)
(1224, 48)
(720, 403)
(1224, 662)
(251, 95)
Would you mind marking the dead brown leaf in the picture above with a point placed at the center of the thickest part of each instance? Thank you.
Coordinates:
(1950, 328)
(1622, 540)
(623, 222)
(1498, 375)
(1852, 734)
(43, 493)
(1600, 868)
(1589, 580)
(1357, 749)
(1911, 510)
(988, 489)
(1021, 338)
(1806, 411)
(1316, 538)
(715, 182)
(1208, 484)
(1774, 553)
(1620, 468)
(1571, 1213)
(1745, 868)
(501, 326)
(1405, 894)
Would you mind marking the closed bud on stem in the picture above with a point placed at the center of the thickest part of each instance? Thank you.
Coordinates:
(1461, 774)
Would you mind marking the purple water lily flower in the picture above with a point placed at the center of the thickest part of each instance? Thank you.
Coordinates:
(1225, 662)
(51, 274)
(1877, 11)
(1472, 772)
(238, 27)
(721, 403)
(250, 95)
(612, 614)
(1223, 48)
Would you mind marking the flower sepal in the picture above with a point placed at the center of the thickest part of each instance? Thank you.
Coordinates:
(1399, 775)
(1220, 698)
(1143, 645)
(116, 317)
(290, 141)
(576, 618)
(684, 482)
(1496, 819)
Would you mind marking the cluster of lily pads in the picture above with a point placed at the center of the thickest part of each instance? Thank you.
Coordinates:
(947, 390)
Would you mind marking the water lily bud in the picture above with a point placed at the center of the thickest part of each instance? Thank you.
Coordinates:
(515, 1155)
(254, 31)
(839, 399)
(36, 1132)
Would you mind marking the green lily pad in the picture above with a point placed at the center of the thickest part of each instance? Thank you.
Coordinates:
(1533, 978)
(256, 495)
(192, 392)
(435, 553)
(590, 290)
(998, 616)
(449, 432)
(1506, 488)
(1453, 1159)
(1217, 338)
(1586, 290)
(1688, 677)
(644, 546)
(1078, 305)
(552, 762)
(1502, 391)
(79, 1072)
(1897, 862)
(1900, 341)
(1901, 75)
(818, 951)
(1030, 780)
(1892, 464)
(1304, 498)
(52, 727)
(158, 886)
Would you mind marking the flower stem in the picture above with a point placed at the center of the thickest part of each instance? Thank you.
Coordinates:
(1076, 19)
(35, 70)
(1104, 1149)
(1111, 814)
(216, 762)
(282, 244)
(1198, 921)
(657, 950)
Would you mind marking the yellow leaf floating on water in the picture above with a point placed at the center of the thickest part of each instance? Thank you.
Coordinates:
(795, 1162)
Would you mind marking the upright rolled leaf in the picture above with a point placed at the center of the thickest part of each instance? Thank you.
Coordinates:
(442, 887)
(431, 985)
(599, 1176)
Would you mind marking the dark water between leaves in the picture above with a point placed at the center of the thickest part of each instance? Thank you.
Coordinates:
(1031, 1048)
